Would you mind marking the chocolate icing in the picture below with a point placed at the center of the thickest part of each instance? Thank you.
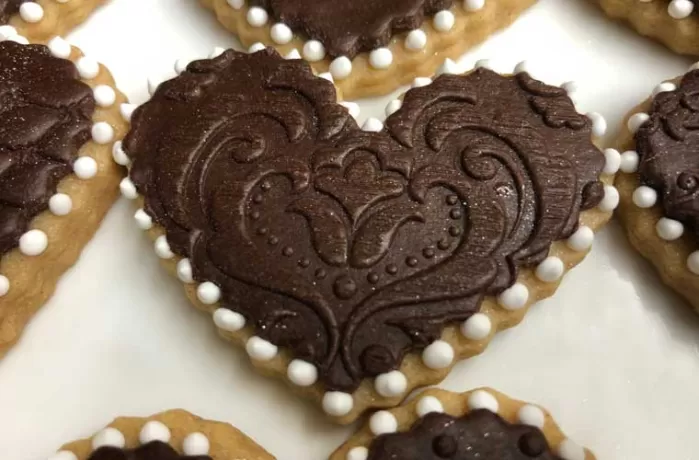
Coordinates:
(478, 435)
(8, 8)
(347, 28)
(668, 146)
(45, 117)
(352, 248)
(154, 450)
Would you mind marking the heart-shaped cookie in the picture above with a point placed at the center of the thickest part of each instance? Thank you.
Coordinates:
(351, 248)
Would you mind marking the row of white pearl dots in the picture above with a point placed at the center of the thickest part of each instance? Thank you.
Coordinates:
(383, 422)
(341, 67)
(193, 444)
(34, 242)
(678, 9)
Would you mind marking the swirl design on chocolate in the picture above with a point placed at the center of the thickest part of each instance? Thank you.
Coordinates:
(45, 117)
(668, 147)
(8, 8)
(477, 435)
(352, 248)
(347, 28)
(154, 450)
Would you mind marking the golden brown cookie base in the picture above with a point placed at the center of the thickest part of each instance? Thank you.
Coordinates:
(226, 442)
(469, 30)
(669, 257)
(33, 279)
(652, 20)
(58, 20)
(454, 404)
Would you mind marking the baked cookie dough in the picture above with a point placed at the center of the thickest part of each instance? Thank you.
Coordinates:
(172, 435)
(360, 263)
(477, 425)
(659, 183)
(675, 23)
(59, 117)
(370, 47)
(41, 20)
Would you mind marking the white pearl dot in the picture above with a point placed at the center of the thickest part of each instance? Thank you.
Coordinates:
(184, 271)
(693, 262)
(154, 431)
(228, 320)
(259, 349)
(341, 67)
(428, 404)
(236, 4)
(181, 65)
(6, 32)
(102, 132)
(104, 95)
(568, 450)
(85, 167)
(582, 239)
(473, 5)
(302, 373)
(419, 82)
(393, 106)
(391, 384)
(119, 155)
(64, 455)
(126, 110)
(481, 399)
(87, 68)
(383, 422)
(293, 54)
(337, 403)
(610, 200)
(438, 355)
(599, 124)
(352, 108)
(680, 9)
(629, 162)
(281, 34)
(373, 125)
(33, 243)
(636, 120)
(358, 453)
(313, 50)
(644, 197)
(208, 293)
(477, 327)
(523, 67)
(550, 269)
(143, 220)
(59, 48)
(257, 17)
(612, 161)
(663, 88)
(196, 444)
(327, 76)
(443, 21)
(531, 415)
(217, 51)
(381, 58)
(60, 204)
(669, 229)
(448, 67)
(162, 248)
(108, 437)
(31, 12)
(514, 297)
(19, 39)
(4, 285)
(484, 64)
(416, 40)
(128, 189)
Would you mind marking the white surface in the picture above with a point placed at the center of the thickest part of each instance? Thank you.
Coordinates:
(614, 355)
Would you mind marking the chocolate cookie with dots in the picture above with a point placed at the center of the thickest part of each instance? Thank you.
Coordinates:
(659, 184)
(41, 20)
(477, 425)
(370, 47)
(359, 263)
(60, 114)
(672, 22)
(172, 435)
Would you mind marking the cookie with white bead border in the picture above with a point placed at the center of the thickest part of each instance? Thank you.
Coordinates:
(41, 20)
(59, 117)
(675, 23)
(359, 263)
(659, 182)
(171, 435)
(481, 424)
(369, 48)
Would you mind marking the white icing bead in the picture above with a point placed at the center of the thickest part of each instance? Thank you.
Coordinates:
(443, 21)
(391, 384)
(196, 444)
(550, 269)
(181, 65)
(416, 40)
(33, 243)
(663, 87)
(352, 108)
(693, 262)
(162, 248)
(568, 450)
(473, 5)
(358, 453)
(448, 67)
(531, 415)
(694, 66)
(393, 106)
(260, 350)
(104, 95)
(4, 285)
(523, 66)
(228, 320)
(154, 431)
(64, 455)
(208, 293)
(87, 68)
(257, 17)
(427, 405)
(302, 373)
(184, 271)
(327, 76)
(281, 34)
(438, 355)
(381, 58)
(85, 167)
(481, 399)
(153, 82)
(128, 189)
(60, 204)
(293, 54)
(599, 124)
(644, 197)
(373, 125)
(31, 12)
(337, 403)
(236, 4)
(59, 48)
(477, 327)
(7, 32)
(669, 229)
(143, 220)
(341, 67)
(217, 52)
(582, 239)
(313, 51)
(102, 132)
(108, 437)
(610, 200)
(255, 47)
(636, 120)
(126, 110)
(570, 87)
(680, 9)
(629, 161)
(383, 422)
(19, 39)
(419, 82)
(514, 297)
(612, 161)
(484, 64)
(119, 155)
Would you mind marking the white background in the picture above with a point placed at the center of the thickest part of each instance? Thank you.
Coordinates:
(614, 355)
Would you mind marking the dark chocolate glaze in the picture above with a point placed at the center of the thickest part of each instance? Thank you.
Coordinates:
(154, 450)
(352, 248)
(45, 117)
(668, 146)
(8, 8)
(478, 435)
(347, 28)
